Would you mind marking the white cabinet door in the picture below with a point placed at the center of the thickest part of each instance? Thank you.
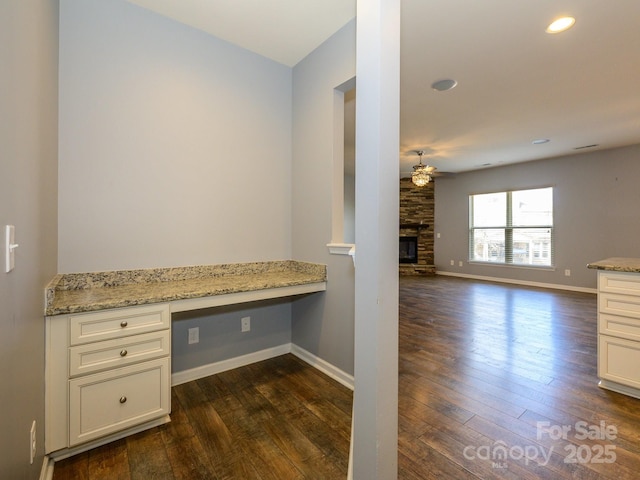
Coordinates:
(619, 326)
(110, 401)
(99, 356)
(614, 304)
(619, 360)
(107, 324)
(624, 283)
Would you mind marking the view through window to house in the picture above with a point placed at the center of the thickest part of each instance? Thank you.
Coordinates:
(513, 228)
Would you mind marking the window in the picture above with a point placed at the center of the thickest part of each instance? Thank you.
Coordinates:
(512, 228)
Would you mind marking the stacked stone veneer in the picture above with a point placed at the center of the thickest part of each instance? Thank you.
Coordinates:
(417, 206)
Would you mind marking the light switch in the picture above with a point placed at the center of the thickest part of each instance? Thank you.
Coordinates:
(9, 247)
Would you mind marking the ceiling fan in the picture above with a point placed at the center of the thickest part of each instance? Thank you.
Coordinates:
(422, 174)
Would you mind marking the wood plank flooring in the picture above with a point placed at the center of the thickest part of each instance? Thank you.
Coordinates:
(273, 420)
(481, 364)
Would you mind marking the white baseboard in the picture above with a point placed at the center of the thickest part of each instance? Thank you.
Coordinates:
(554, 286)
(617, 387)
(185, 376)
(46, 473)
(324, 366)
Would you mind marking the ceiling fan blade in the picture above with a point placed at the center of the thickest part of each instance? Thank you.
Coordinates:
(407, 175)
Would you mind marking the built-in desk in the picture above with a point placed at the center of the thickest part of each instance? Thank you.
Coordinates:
(108, 341)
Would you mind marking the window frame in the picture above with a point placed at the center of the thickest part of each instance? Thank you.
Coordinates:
(509, 229)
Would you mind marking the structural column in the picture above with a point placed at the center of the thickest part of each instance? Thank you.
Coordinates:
(375, 434)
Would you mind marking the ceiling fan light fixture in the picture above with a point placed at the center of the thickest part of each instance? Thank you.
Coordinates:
(561, 24)
(420, 177)
(421, 173)
(444, 85)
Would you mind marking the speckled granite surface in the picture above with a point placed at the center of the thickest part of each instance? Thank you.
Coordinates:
(617, 264)
(85, 292)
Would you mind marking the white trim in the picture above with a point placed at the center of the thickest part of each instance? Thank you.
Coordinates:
(544, 268)
(71, 451)
(617, 387)
(350, 467)
(324, 366)
(554, 286)
(340, 248)
(185, 376)
(46, 473)
(243, 297)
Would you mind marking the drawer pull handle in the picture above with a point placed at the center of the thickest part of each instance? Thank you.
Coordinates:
(123, 352)
(123, 323)
(123, 399)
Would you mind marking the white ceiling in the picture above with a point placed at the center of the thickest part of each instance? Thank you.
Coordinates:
(516, 83)
(283, 30)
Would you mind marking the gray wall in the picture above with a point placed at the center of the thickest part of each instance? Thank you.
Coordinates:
(175, 146)
(321, 324)
(220, 334)
(175, 149)
(28, 152)
(596, 214)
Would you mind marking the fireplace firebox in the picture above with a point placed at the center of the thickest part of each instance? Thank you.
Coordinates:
(408, 249)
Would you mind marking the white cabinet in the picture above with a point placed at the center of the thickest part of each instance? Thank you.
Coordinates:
(619, 331)
(111, 401)
(108, 374)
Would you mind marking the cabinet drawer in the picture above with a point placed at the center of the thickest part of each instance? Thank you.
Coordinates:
(120, 322)
(617, 326)
(619, 360)
(94, 357)
(614, 304)
(619, 282)
(106, 402)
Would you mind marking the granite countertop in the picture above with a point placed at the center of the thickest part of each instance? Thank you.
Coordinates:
(85, 292)
(617, 264)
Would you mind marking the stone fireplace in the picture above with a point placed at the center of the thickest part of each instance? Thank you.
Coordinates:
(416, 229)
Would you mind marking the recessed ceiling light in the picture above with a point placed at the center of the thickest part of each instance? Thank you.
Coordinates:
(540, 141)
(444, 85)
(561, 24)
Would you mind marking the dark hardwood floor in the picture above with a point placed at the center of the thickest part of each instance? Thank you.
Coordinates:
(485, 369)
(481, 364)
(277, 419)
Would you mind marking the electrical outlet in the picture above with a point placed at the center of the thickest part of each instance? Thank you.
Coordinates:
(194, 335)
(567, 273)
(246, 324)
(452, 262)
(32, 442)
(460, 263)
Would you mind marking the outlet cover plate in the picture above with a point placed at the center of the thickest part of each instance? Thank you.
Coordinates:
(194, 335)
(246, 324)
